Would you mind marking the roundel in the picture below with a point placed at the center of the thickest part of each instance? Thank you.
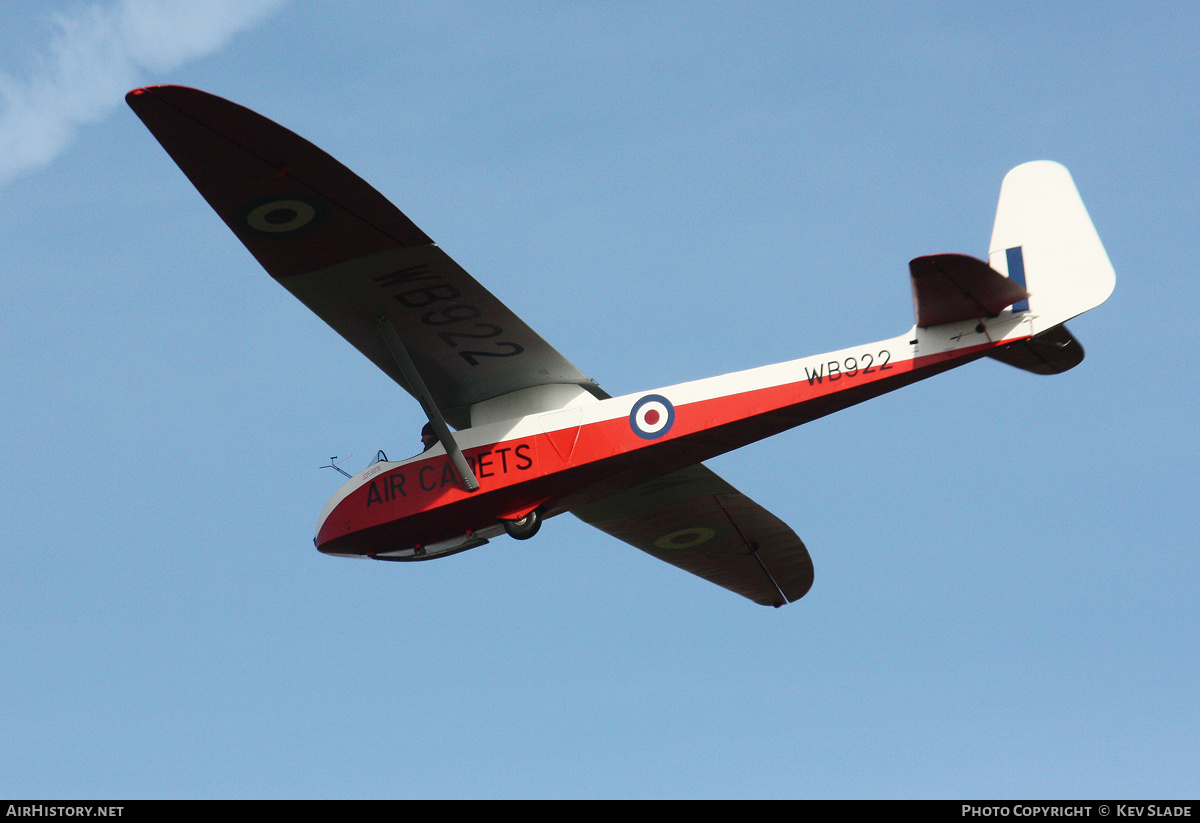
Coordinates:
(282, 215)
(652, 416)
(686, 538)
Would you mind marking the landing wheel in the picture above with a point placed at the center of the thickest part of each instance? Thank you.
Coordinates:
(524, 528)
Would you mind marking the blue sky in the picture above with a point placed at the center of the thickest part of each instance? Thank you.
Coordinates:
(1006, 565)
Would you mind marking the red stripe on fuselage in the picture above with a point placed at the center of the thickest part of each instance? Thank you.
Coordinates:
(421, 503)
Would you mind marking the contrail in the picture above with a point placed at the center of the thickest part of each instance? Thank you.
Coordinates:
(98, 53)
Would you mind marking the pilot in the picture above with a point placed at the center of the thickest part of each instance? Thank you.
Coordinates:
(428, 438)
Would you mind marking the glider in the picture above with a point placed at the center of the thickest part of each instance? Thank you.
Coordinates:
(523, 434)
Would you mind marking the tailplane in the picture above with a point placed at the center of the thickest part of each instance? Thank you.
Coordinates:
(1054, 351)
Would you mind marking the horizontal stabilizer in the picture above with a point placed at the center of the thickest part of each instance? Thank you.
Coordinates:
(1054, 351)
(952, 287)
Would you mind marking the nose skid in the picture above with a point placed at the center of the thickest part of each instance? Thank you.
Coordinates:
(442, 548)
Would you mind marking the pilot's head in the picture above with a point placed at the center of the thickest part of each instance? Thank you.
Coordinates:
(428, 438)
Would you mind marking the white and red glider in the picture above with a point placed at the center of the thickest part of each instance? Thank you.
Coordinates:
(537, 437)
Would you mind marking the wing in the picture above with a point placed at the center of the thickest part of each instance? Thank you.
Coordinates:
(695, 520)
(349, 255)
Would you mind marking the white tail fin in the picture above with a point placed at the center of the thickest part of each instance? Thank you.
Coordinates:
(1044, 239)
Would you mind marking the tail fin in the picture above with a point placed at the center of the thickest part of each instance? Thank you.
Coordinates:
(1044, 239)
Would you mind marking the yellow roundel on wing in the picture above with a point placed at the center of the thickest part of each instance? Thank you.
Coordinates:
(281, 216)
(685, 538)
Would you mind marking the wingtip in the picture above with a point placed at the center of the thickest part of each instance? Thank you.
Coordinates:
(133, 96)
(158, 88)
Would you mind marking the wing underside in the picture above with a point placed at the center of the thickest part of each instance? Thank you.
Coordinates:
(695, 520)
(350, 255)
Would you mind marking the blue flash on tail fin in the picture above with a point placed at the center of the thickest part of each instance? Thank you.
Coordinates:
(1016, 271)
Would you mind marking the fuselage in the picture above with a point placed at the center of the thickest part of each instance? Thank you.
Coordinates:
(554, 459)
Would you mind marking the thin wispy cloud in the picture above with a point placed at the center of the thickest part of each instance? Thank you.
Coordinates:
(99, 52)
